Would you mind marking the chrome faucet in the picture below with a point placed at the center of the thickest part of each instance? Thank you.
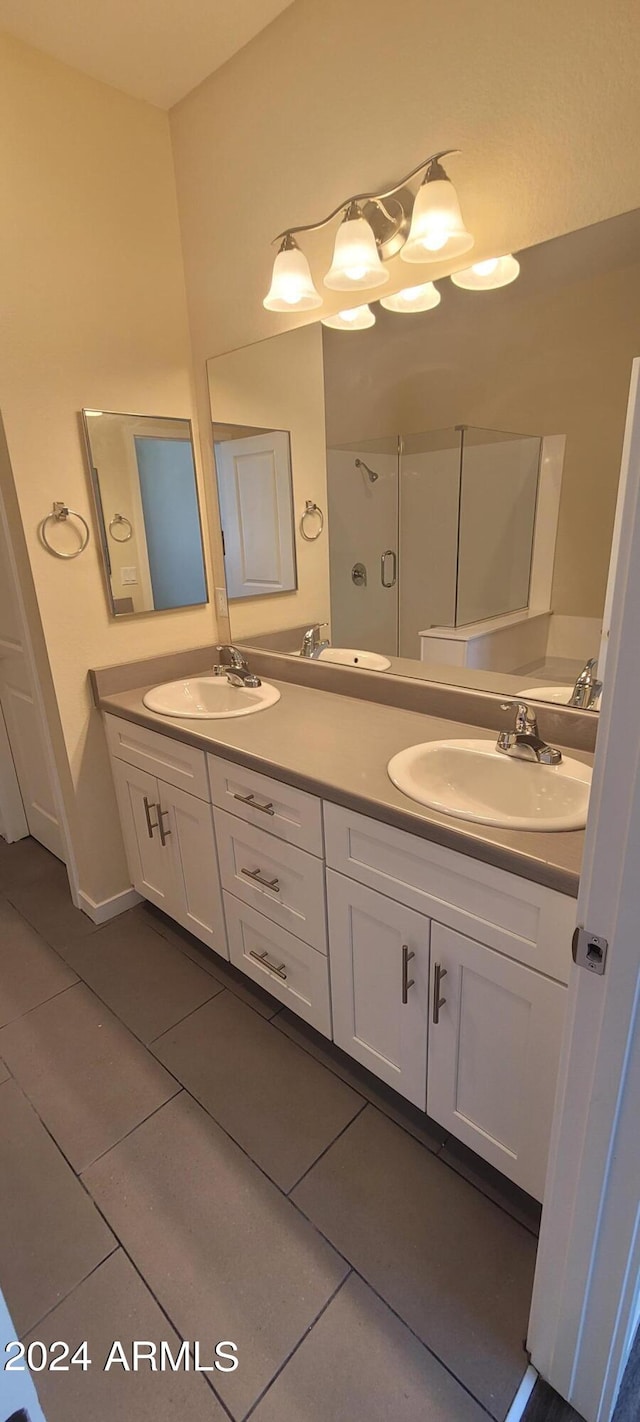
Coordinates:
(587, 688)
(311, 644)
(234, 666)
(524, 741)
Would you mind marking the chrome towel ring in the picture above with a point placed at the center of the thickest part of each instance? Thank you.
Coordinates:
(311, 510)
(60, 513)
(116, 522)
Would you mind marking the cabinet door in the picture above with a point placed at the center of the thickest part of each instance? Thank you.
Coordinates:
(149, 864)
(379, 959)
(190, 848)
(493, 1055)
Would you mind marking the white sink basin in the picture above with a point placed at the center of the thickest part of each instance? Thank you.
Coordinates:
(474, 781)
(352, 657)
(209, 698)
(559, 694)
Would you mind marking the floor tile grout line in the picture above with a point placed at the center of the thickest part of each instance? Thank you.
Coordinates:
(72, 1290)
(436, 1153)
(394, 1311)
(128, 1133)
(308, 1331)
(21, 1016)
(328, 1147)
(181, 1020)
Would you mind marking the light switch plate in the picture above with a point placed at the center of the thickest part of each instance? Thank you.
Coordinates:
(128, 576)
(222, 607)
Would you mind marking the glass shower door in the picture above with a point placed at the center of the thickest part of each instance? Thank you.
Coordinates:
(363, 517)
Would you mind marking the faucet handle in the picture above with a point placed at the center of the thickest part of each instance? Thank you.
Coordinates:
(526, 723)
(236, 658)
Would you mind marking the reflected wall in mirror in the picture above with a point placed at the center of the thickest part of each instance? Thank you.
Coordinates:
(255, 498)
(144, 482)
(472, 463)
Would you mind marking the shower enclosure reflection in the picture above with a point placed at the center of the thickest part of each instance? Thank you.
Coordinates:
(428, 533)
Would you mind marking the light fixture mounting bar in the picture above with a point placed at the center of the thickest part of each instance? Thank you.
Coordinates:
(359, 198)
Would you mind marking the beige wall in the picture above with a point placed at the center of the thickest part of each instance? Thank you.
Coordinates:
(279, 385)
(94, 316)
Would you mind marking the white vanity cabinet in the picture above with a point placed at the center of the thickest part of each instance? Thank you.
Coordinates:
(168, 831)
(494, 1046)
(443, 975)
(380, 984)
(476, 1037)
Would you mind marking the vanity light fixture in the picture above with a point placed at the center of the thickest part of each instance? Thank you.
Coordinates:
(413, 298)
(437, 228)
(292, 285)
(356, 318)
(489, 275)
(374, 228)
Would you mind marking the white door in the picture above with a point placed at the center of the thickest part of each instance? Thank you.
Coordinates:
(256, 512)
(27, 762)
(13, 821)
(186, 824)
(494, 1044)
(586, 1301)
(150, 865)
(379, 959)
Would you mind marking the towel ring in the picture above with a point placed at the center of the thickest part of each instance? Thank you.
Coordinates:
(60, 513)
(311, 510)
(118, 520)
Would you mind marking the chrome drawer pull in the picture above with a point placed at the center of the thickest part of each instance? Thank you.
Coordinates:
(407, 982)
(150, 827)
(256, 875)
(164, 833)
(438, 1001)
(255, 804)
(273, 967)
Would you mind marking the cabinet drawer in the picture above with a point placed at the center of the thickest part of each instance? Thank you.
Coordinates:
(291, 970)
(521, 919)
(171, 760)
(294, 898)
(290, 814)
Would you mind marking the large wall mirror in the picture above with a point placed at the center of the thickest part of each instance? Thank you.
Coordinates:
(467, 461)
(144, 482)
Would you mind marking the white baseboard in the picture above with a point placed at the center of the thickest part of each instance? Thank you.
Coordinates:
(108, 908)
(522, 1396)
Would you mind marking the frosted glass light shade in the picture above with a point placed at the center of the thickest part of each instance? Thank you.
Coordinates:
(437, 229)
(292, 287)
(356, 261)
(413, 298)
(487, 276)
(357, 318)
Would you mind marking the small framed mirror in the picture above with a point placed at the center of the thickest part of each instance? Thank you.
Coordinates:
(143, 476)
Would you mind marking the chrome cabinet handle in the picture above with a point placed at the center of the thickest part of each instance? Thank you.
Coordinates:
(388, 553)
(164, 833)
(255, 804)
(407, 982)
(256, 875)
(147, 810)
(273, 967)
(438, 974)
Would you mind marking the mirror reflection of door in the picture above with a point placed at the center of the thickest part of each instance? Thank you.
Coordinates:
(256, 511)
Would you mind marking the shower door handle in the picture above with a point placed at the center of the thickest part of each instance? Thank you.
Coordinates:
(388, 583)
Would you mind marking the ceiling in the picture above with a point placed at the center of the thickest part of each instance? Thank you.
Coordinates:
(154, 49)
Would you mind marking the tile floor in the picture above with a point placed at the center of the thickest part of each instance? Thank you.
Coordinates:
(182, 1159)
